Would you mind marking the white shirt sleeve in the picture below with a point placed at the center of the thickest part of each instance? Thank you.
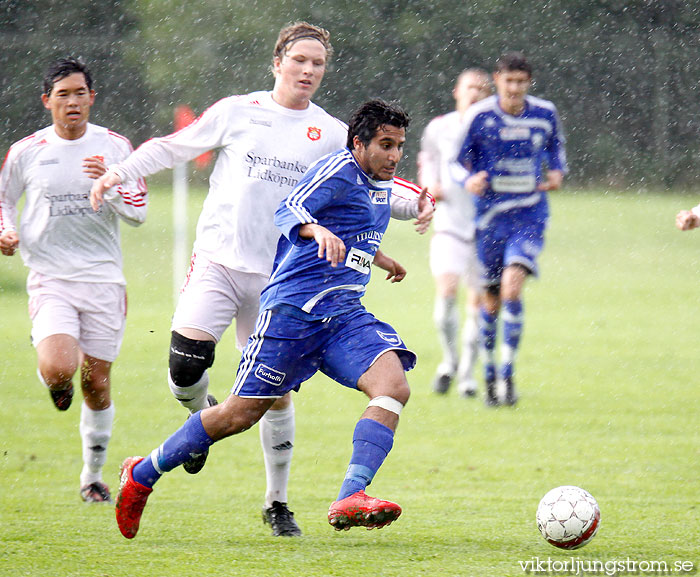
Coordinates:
(404, 199)
(204, 134)
(129, 200)
(11, 189)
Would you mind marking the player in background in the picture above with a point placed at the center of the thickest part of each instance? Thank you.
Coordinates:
(688, 219)
(77, 294)
(508, 138)
(311, 318)
(452, 252)
(266, 141)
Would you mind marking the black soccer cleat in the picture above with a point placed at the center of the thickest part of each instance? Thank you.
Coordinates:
(491, 399)
(281, 520)
(510, 397)
(96, 492)
(197, 461)
(62, 398)
(441, 383)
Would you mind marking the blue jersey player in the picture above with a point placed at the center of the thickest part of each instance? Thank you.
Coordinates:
(508, 138)
(311, 319)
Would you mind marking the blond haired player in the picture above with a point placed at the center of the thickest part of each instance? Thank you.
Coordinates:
(77, 296)
(266, 141)
(452, 251)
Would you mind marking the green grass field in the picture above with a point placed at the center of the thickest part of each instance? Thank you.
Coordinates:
(608, 377)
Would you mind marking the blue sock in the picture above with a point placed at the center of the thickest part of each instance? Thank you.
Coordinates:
(371, 443)
(487, 338)
(512, 329)
(191, 438)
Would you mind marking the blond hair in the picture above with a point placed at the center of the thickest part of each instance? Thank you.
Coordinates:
(301, 31)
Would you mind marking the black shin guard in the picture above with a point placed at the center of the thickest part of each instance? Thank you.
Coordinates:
(189, 359)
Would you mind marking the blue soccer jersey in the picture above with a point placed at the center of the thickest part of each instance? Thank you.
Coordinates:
(337, 194)
(512, 149)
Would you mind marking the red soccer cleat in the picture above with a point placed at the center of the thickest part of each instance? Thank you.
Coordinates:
(131, 499)
(361, 510)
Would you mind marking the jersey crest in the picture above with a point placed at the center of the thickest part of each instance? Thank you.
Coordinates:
(314, 133)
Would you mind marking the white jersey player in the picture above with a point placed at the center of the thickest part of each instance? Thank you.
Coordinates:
(77, 295)
(452, 253)
(266, 141)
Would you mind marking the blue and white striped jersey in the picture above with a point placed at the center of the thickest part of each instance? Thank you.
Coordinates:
(337, 194)
(512, 149)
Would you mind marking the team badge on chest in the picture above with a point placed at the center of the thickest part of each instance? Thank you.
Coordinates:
(314, 133)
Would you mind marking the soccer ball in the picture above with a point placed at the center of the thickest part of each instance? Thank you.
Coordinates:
(568, 517)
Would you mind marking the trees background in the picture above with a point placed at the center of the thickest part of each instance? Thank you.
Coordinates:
(623, 73)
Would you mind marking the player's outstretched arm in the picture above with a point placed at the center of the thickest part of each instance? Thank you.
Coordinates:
(395, 272)
(9, 241)
(687, 220)
(329, 245)
(103, 183)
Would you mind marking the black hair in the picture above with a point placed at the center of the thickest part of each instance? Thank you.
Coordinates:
(513, 61)
(65, 67)
(371, 116)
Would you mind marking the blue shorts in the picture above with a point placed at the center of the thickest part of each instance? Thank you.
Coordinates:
(284, 351)
(507, 242)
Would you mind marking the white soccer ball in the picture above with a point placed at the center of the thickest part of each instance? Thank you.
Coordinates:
(568, 517)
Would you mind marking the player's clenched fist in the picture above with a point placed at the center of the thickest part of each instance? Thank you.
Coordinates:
(9, 241)
(687, 219)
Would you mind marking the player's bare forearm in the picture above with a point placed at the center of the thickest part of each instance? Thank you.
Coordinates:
(395, 272)
(330, 246)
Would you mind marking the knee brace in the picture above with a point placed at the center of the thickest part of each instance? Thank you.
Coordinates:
(189, 359)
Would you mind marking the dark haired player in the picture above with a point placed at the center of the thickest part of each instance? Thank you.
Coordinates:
(509, 136)
(77, 295)
(312, 319)
(266, 141)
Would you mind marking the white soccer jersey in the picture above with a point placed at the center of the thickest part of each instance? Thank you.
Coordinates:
(60, 235)
(454, 213)
(264, 149)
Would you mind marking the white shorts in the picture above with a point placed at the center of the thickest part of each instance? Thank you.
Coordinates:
(94, 314)
(213, 295)
(452, 255)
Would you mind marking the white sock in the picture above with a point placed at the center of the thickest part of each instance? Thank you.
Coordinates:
(196, 395)
(470, 346)
(95, 432)
(277, 440)
(446, 318)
